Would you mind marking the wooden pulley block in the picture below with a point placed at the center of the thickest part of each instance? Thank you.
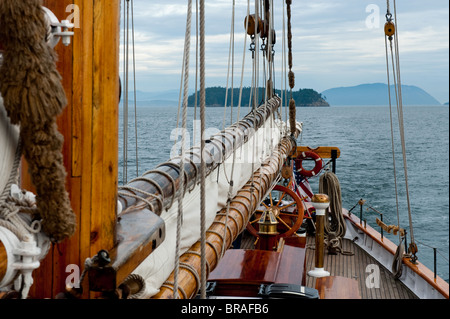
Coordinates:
(286, 172)
(265, 30)
(273, 37)
(252, 25)
(413, 248)
(389, 29)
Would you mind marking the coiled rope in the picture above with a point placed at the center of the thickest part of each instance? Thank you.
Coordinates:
(10, 206)
(335, 227)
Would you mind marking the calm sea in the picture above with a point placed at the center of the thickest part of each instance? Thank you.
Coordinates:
(365, 167)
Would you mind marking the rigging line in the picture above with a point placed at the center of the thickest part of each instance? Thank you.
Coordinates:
(179, 97)
(437, 250)
(262, 9)
(271, 70)
(392, 134)
(231, 183)
(202, 147)
(255, 89)
(243, 64)
(230, 57)
(183, 138)
(402, 129)
(264, 54)
(124, 91)
(284, 66)
(196, 75)
(134, 83)
(126, 75)
(255, 81)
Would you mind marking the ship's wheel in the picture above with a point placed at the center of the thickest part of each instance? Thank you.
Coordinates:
(287, 208)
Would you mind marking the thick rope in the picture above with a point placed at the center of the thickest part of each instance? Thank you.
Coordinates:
(203, 268)
(187, 43)
(33, 97)
(10, 207)
(335, 226)
(291, 76)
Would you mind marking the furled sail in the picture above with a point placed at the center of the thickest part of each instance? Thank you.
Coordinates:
(251, 147)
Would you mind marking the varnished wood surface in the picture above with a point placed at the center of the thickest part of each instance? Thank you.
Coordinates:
(292, 265)
(89, 68)
(337, 287)
(241, 272)
(247, 267)
(3, 261)
(354, 267)
(322, 151)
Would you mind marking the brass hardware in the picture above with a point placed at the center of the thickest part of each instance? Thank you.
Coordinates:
(268, 223)
(320, 198)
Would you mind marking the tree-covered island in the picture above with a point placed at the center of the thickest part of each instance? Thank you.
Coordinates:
(215, 96)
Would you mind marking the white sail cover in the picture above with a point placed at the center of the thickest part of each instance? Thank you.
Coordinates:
(160, 264)
(9, 136)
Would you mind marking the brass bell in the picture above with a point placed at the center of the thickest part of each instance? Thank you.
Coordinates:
(268, 223)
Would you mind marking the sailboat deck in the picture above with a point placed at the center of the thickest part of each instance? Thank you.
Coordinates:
(353, 267)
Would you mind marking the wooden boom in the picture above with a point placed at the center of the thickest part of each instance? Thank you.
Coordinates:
(241, 208)
(219, 146)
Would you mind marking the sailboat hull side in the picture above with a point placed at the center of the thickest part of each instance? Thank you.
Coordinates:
(418, 278)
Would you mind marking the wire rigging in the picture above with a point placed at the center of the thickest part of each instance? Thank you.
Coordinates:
(391, 35)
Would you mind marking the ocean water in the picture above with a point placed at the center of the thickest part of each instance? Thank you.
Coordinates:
(364, 169)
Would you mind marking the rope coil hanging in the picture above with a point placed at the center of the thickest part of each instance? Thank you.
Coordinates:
(335, 227)
(33, 97)
(291, 76)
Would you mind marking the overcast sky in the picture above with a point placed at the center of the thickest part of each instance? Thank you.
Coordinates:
(335, 43)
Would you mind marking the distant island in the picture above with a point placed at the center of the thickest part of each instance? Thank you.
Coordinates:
(215, 96)
(377, 94)
(359, 95)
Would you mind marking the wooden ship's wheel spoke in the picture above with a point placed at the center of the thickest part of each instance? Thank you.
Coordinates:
(287, 208)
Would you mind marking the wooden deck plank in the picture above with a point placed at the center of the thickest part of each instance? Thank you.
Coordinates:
(354, 267)
(337, 287)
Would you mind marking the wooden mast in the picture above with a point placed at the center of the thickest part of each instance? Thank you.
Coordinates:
(90, 70)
